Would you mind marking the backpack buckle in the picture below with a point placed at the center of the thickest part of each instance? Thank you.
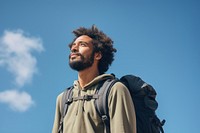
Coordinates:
(87, 97)
(104, 117)
(69, 101)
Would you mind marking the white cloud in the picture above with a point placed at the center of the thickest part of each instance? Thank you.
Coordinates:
(18, 101)
(15, 55)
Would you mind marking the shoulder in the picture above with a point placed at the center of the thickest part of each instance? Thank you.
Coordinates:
(118, 86)
(59, 97)
(120, 97)
(59, 100)
(119, 89)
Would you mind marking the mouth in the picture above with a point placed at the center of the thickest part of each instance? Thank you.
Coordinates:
(74, 55)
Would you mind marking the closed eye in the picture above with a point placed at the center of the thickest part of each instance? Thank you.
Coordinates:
(83, 44)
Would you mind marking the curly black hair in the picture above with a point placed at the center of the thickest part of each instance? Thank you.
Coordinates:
(101, 42)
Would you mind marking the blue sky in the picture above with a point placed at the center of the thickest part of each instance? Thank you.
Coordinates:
(157, 40)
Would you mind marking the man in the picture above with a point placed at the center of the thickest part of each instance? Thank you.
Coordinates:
(91, 55)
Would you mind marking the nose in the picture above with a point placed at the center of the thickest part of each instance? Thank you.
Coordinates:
(74, 48)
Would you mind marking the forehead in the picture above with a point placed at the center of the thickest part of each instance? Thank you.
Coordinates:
(83, 38)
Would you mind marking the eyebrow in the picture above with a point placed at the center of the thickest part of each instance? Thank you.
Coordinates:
(70, 45)
(82, 42)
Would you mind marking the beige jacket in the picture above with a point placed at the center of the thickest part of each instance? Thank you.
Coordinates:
(82, 117)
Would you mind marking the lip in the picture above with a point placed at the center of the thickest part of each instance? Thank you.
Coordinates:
(73, 55)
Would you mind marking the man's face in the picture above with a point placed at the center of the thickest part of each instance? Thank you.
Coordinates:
(82, 55)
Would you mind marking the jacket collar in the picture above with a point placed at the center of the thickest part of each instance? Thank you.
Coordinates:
(94, 81)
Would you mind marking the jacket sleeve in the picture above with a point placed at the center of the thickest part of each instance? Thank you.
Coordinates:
(121, 110)
(57, 114)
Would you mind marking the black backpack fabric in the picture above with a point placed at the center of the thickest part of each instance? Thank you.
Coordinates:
(143, 96)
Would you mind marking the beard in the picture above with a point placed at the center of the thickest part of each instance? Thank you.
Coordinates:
(82, 63)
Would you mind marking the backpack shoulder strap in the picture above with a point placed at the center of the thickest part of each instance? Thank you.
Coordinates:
(66, 100)
(101, 103)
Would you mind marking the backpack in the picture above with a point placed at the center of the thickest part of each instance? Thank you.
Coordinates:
(143, 96)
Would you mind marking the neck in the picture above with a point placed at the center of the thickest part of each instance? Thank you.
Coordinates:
(87, 75)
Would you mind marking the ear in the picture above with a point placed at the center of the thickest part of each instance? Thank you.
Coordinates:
(98, 56)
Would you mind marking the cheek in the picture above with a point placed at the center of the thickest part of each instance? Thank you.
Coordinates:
(85, 52)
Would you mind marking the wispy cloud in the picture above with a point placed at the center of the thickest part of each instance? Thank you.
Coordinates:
(16, 50)
(15, 55)
(18, 101)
